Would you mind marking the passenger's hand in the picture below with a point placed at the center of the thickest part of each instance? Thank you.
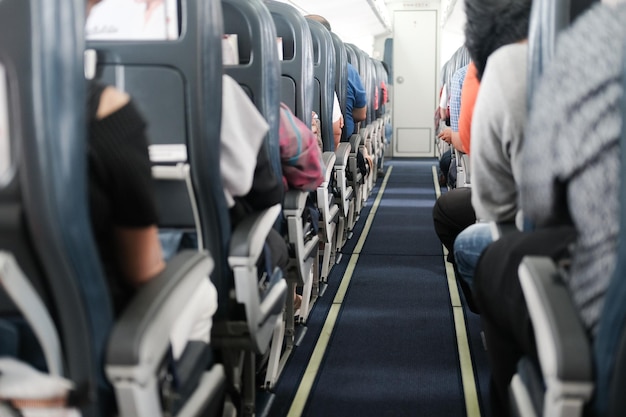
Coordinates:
(445, 135)
(314, 122)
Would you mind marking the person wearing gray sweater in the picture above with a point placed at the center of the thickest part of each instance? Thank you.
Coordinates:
(495, 35)
(568, 188)
(570, 170)
(497, 134)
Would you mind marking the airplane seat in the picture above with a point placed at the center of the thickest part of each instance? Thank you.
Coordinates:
(297, 61)
(463, 178)
(52, 288)
(260, 75)
(57, 281)
(372, 122)
(323, 79)
(323, 102)
(352, 56)
(297, 86)
(341, 70)
(382, 114)
(246, 317)
(344, 194)
(572, 378)
(356, 177)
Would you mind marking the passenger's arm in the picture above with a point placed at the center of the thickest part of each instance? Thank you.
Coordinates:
(139, 253)
(138, 249)
(337, 126)
(337, 120)
(111, 100)
(446, 135)
(240, 142)
(359, 114)
(455, 140)
(494, 132)
(301, 158)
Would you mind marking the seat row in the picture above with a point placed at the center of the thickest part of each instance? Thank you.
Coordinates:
(53, 285)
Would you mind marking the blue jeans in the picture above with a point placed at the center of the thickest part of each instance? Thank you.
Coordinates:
(468, 246)
(173, 240)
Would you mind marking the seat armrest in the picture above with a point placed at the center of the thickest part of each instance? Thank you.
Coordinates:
(295, 202)
(329, 159)
(562, 343)
(24, 295)
(342, 153)
(248, 238)
(140, 337)
(355, 142)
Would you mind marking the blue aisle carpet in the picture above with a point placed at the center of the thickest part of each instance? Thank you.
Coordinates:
(393, 351)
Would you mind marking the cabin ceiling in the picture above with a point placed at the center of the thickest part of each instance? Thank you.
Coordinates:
(353, 20)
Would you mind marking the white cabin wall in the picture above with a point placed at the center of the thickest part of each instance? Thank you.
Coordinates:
(453, 23)
(416, 67)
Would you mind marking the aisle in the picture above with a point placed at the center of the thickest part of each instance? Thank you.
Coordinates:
(393, 348)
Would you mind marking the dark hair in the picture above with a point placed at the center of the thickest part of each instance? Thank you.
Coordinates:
(494, 23)
(320, 19)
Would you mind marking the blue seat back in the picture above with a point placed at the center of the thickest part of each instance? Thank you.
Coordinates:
(341, 74)
(374, 86)
(177, 85)
(548, 18)
(44, 219)
(352, 56)
(365, 72)
(381, 77)
(297, 64)
(324, 80)
(258, 71)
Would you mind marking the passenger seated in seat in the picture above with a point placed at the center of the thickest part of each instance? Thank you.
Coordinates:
(356, 103)
(247, 174)
(453, 211)
(300, 158)
(123, 211)
(450, 135)
(493, 25)
(498, 122)
(337, 124)
(570, 175)
(356, 111)
(301, 162)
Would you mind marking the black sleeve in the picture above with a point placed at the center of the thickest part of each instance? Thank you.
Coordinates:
(119, 150)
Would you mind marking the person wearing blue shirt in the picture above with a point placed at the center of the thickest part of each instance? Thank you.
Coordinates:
(356, 101)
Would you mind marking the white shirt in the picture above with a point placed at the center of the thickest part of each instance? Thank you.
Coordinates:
(242, 133)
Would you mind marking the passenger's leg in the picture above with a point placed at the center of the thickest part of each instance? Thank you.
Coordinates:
(280, 258)
(452, 174)
(196, 319)
(278, 249)
(468, 247)
(452, 213)
(444, 167)
(505, 319)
